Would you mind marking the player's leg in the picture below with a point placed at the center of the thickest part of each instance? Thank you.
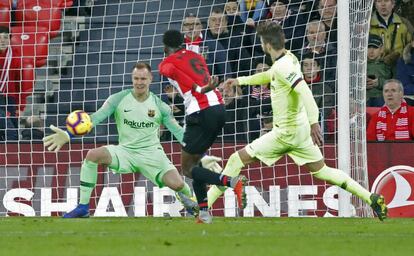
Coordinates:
(88, 177)
(309, 155)
(174, 181)
(202, 128)
(337, 177)
(154, 164)
(203, 177)
(236, 162)
(267, 148)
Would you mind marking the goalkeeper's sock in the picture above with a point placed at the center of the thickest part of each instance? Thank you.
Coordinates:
(341, 179)
(233, 168)
(186, 190)
(88, 177)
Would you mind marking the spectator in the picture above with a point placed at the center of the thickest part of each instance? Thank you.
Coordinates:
(405, 71)
(293, 24)
(260, 94)
(176, 102)
(267, 124)
(34, 128)
(259, 102)
(326, 12)
(236, 115)
(321, 49)
(322, 91)
(10, 76)
(193, 37)
(225, 51)
(231, 7)
(377, 71)
(234, 20)
(388, 25)
(405, 8)
(395, 120)
(238, 27)
(247, 7)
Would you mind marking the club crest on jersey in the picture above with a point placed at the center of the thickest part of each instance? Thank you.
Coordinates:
(151, 112)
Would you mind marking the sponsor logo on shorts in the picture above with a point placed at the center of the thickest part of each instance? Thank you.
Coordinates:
(138, 125)
(396, 184)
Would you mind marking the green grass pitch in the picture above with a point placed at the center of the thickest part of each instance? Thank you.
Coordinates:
(226, 236)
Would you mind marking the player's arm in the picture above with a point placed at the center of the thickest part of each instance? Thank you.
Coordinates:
(60, 137)
(170, 122)
(256, 79)
(213, 83)
(305, 93)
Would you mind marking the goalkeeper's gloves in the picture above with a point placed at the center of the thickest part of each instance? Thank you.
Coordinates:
(57, 140)
(210, 162)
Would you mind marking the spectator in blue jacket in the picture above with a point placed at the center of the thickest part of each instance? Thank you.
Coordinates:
(226, 56)
(405, 71)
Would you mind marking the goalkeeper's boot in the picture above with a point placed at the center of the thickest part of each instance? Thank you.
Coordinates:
(238, 184)
(81, 211)
(190, 204)
(204, 217)
(378, 206)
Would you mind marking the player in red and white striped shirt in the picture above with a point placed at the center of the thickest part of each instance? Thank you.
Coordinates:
(205, 117)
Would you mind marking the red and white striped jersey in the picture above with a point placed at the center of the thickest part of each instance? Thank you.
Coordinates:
(184, 69)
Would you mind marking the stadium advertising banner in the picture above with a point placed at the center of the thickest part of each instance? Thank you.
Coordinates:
(38, 183)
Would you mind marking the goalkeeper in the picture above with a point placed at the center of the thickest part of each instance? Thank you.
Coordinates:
(296, 130)
(138, 114)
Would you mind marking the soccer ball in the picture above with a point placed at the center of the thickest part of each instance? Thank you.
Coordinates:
(78, 123)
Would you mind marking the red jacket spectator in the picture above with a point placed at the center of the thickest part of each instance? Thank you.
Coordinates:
(395, 120)
(393, 129)
(10, 73)
(16, 74)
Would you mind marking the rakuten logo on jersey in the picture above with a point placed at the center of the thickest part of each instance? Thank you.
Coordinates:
(396, 184)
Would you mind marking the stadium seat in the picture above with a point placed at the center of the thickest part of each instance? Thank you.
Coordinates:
(5, 13)
(40, 13)
(62, 3)
(28, 76)
(33, 42)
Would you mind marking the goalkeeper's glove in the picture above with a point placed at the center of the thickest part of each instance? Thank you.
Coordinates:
(57, 140)
(210, 162)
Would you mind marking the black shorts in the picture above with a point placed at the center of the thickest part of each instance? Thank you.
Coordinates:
(202, 128)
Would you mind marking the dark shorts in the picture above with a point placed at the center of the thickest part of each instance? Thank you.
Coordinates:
(202, 128)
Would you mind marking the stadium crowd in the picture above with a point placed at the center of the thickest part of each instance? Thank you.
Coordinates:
(227, 39)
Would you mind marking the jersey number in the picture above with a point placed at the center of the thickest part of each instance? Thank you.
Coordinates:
(198, 68)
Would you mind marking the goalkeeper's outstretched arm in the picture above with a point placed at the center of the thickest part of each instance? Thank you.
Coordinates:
(55, 141)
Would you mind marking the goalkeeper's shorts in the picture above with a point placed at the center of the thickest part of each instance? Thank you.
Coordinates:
(151, 162)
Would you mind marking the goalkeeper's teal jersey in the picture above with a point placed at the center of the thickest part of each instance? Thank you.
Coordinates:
(138, 123)
(288, 109)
